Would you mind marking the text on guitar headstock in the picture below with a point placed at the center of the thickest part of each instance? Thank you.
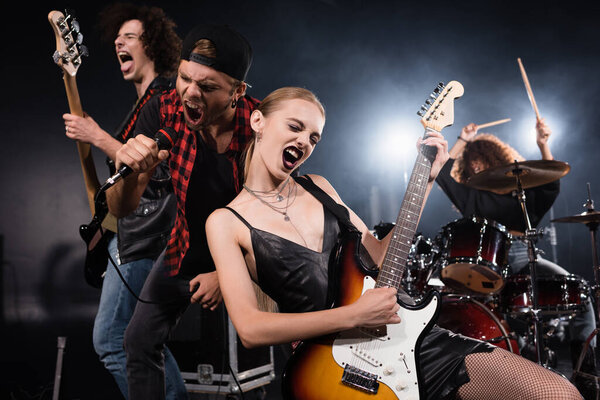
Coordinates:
(438, 110)
(69, 39)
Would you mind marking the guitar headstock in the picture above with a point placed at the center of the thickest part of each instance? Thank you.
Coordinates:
(438, 110)
(69, 47)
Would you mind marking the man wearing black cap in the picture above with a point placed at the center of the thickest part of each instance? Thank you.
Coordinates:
(210, 112)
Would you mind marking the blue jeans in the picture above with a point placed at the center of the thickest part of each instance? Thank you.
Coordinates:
(114, 312)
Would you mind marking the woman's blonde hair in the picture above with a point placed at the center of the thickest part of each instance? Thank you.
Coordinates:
(487, 148)
(272, 103)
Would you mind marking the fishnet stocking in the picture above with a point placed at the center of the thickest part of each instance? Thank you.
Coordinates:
(505, 375)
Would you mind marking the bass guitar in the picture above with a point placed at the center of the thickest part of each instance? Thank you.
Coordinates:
(377, 363)
(68, 56)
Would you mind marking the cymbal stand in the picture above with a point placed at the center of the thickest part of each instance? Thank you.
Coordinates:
(592, 226)
(530, 237)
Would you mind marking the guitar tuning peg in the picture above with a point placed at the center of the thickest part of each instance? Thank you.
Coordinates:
(79, 38)
(83, 51)
(56, 57)
(428, 102)
(420, 113)
(441, 85)
(69, 13)
(75, 26)
(432, 95)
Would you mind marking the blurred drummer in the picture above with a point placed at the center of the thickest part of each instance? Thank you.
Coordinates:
(473, 153)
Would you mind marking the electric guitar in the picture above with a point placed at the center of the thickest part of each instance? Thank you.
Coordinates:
(377, 363)
(68, 56)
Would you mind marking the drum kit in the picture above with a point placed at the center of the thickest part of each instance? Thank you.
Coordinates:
(468, 263)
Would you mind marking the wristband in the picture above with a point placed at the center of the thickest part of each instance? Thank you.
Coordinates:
(465, 140)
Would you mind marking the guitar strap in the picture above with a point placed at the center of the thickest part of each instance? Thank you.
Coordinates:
(336, 209)
(341, 213)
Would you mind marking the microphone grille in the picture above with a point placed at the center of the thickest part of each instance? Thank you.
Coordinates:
(166, 138)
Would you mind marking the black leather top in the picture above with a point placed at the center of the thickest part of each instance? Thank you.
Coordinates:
(295, 276)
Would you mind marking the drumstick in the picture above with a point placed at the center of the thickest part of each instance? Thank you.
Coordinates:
(528, 88)
(493, 123)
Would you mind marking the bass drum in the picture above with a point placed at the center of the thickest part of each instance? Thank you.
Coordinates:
(469, 317)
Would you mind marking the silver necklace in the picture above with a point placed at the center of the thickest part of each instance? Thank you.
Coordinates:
(281, 210)
(267, 193)
(260, 195)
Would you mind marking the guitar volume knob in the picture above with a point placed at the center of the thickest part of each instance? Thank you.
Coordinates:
(401, 384)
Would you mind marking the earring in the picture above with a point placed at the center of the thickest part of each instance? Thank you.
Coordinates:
(234, 103)
(258, 136)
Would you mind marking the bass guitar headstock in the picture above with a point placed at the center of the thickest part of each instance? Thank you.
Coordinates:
(69, 39)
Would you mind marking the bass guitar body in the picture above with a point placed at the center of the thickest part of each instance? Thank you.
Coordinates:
(376, 363)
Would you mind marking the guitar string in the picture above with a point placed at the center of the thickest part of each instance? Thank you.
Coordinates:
(412, 208)
(374, 345)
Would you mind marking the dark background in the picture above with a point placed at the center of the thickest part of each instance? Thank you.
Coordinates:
(372, 63)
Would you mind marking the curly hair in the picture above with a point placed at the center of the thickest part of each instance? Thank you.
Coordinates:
(486, 148)
(161, 42)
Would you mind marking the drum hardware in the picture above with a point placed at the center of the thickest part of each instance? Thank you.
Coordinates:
(515, 178)
(591, 219)
(419, 266)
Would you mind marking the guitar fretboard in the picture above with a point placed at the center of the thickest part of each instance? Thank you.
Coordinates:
(394, 262)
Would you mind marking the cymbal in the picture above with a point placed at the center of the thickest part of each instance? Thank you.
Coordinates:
(586, 217)
(532, 174)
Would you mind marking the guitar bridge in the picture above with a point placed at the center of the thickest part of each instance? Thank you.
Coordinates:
(359, 379)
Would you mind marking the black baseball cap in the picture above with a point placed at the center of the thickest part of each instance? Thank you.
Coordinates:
(234, 54)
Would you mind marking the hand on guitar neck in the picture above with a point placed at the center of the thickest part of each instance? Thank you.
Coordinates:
(435, 139)
(85, 129)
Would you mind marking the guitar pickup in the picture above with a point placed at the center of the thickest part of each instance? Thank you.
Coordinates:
(365, 355)
(359, 379)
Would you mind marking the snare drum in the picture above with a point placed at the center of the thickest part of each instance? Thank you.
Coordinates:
(474, 252)
(557, 294)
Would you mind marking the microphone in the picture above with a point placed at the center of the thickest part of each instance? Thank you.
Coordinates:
(165, 138)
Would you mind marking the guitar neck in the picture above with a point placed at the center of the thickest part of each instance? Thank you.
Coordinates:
(394, 262)
(84, 149)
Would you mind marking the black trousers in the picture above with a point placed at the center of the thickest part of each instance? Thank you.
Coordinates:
(168, 297)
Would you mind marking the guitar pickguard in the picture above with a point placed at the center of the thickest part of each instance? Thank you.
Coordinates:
(385, 354)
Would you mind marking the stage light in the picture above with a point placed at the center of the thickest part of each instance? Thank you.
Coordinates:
(524, 135)
(394, 144)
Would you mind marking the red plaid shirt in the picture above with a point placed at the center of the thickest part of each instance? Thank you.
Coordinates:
(181, 163)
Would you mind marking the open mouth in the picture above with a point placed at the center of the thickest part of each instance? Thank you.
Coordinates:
(193, 111)
(291, 157)
(126, 60)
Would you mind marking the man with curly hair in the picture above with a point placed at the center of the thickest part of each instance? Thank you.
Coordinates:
(147, 49)
(473, 153)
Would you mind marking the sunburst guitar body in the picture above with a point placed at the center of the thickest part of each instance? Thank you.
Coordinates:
(376, 363)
